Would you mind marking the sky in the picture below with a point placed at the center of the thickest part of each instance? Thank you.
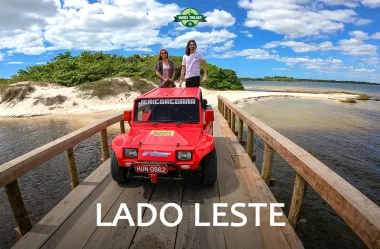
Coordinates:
(314, 39)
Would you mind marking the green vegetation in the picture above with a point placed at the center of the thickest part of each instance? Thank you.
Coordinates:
(87, 67)
(111, 87)
(348, 101)
(49, 101)
(291, 79)
(363, 97)
(18, 92)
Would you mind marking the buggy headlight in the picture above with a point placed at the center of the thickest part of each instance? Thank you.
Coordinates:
(132, 153)
(184, 155)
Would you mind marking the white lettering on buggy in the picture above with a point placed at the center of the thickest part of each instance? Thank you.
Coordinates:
(167, 101)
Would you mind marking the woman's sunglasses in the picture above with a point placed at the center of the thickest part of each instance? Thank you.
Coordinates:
(164, 52)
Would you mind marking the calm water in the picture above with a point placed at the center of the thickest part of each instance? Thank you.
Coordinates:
(345, 137)
(44, 187)
(372, 90)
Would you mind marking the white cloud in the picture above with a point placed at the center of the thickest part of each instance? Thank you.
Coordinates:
(218, 18)
(371, 3)
(371, 60)
(353, 3)
(361, 22)
(296, 18)
(37, 27)
(356, 47)
(226, 46)
(203, 39)
(299, 47)
(363, 70)
(358, 34)
(15, 62)
(246, 33)
(1, 56)
(316, 63)
(376, 35)
(24, 14)
(76, 4)
(253, 54)
(347, 3)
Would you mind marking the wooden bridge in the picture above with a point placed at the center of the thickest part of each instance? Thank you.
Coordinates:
(73, 222)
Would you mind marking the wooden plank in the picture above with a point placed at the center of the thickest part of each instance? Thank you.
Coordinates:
(41, 232)
(191, 236)
(273, 236)
(19, 166)
(137, 191)
(259, 192)
(357, 210)
(77, 235)
(231, 192)
(158, 235)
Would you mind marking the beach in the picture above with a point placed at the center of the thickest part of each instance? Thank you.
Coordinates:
(60, 101)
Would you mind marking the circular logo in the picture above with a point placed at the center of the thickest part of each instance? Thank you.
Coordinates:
(189, 17)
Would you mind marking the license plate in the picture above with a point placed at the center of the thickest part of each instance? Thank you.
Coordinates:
(151, 168)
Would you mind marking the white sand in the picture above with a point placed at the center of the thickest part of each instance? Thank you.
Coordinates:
(77, 104)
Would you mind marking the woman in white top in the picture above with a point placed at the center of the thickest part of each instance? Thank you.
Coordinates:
(165, 69)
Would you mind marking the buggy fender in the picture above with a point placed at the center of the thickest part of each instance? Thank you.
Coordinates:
(205, 145)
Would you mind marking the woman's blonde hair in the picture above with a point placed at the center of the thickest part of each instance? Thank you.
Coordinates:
(159, 54)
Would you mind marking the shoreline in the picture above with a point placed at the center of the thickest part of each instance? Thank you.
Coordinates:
(76, 106)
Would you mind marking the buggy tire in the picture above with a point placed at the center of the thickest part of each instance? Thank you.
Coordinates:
(209, 168)
(117, 172)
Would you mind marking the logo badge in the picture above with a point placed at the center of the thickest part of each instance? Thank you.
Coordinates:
(161, 133)
(190, 17)
(155, 153)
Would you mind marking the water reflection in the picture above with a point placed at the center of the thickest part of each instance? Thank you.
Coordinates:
(344, 137)
(44, 187)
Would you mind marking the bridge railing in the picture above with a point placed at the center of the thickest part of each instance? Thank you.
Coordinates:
(18, 167)
(359, 212)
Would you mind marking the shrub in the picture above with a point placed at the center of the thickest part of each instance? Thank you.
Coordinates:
(363, 97)
(9, 93)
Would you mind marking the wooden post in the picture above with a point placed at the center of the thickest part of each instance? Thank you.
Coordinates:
(72, 168)
(267, 163)
(240, 131)
(229, 117)
(233, 122)
(104, 141)
(250, 142)
(299, 190)
(225, 111)
(122, 127)
(19, 211)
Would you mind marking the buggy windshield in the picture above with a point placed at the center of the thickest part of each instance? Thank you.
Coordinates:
(167, 110)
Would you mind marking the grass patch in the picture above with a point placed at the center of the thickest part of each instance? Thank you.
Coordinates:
(59, 99)
(363, 97)
(10, 93)
(141, 86)
(112, 87)
(105, 88)
(348, 101)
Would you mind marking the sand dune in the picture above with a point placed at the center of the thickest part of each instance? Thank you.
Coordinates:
(54, 99)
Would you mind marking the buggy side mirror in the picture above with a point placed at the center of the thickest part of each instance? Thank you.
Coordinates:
(209, 115)
(127, 115)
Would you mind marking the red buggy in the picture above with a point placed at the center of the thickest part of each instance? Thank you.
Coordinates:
(170, 136)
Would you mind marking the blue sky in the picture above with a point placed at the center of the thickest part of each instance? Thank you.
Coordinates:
(324, 39)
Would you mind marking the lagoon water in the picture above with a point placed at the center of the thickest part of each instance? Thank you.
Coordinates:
(345, 137)
(372, 89)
